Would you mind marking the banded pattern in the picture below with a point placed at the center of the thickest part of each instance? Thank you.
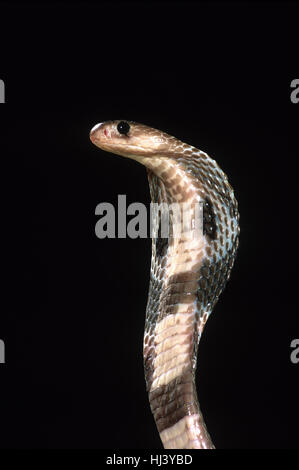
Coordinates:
(188, 273)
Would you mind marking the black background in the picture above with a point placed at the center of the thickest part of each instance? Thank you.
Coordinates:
(214, 75)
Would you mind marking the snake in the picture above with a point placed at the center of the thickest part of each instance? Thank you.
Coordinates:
(189, 269)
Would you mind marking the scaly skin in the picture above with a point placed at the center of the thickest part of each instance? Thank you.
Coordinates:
(188, 272)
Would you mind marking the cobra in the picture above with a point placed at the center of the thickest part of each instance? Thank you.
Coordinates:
(188, 273)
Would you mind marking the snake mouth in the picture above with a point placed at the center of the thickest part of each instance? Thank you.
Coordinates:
(127, 150)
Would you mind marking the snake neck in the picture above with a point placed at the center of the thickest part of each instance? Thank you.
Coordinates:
(187, 277)
(173, 324)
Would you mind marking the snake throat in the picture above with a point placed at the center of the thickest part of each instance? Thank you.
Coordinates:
(188, 274)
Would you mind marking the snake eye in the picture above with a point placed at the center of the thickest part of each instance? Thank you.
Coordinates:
(123, 127)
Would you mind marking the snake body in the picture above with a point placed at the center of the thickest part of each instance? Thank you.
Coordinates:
(187, 273)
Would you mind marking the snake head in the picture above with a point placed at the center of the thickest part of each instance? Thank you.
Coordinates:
(131, 140)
